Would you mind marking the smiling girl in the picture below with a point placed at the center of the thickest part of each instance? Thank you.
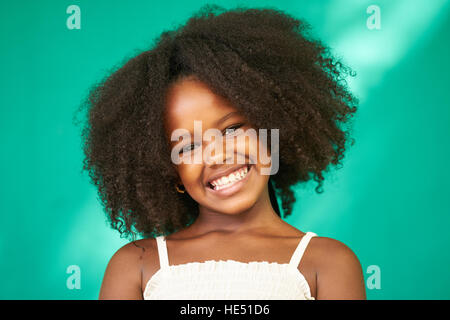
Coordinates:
(213, 229)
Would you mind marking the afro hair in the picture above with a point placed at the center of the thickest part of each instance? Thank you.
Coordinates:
(264, 62)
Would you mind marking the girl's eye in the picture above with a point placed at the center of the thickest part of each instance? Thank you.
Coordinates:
(232, 128)
(227, 131)
(187, 148)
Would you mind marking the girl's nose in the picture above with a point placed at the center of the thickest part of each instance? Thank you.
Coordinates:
(225, 155)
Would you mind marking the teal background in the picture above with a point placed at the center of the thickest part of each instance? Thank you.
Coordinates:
(389, 203)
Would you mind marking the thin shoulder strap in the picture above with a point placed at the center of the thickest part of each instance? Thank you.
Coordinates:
(162, 252)
(300, 250)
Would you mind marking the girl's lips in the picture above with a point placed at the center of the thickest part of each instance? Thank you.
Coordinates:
(235, 187)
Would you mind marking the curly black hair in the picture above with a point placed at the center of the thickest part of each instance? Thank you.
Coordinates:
(263, 61)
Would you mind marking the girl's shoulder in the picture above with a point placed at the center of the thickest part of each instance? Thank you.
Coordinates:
(122, 278)
(325, 252)
(136, 248)
(132, 256)
(338, 270)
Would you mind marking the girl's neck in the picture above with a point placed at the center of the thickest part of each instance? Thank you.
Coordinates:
(259, 217)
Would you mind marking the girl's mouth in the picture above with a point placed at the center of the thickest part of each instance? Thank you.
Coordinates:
(232, 183)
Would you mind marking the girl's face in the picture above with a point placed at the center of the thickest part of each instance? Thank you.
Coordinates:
(190, 100)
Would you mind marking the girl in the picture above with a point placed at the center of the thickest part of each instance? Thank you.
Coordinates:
(213, 229)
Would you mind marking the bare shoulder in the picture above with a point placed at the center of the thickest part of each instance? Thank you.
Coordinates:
(328, 249)
(122, 278)
(325, 249)
(132, 253)
(338, 270)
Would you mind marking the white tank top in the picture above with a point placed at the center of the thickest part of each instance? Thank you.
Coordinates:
(230, 279)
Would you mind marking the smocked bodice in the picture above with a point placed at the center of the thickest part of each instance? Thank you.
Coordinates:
(229, 279)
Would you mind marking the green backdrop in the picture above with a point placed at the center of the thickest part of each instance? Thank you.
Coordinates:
(389, 203)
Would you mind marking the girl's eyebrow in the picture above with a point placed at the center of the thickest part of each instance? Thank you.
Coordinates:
(226, 117)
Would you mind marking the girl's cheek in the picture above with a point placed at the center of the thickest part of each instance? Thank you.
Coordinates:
(189, 172)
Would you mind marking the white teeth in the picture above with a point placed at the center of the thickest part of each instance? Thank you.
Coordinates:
(230, 179)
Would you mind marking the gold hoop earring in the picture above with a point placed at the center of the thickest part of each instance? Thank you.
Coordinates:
(178, 189)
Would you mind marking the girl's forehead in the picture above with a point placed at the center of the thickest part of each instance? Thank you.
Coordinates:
(191, 100)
